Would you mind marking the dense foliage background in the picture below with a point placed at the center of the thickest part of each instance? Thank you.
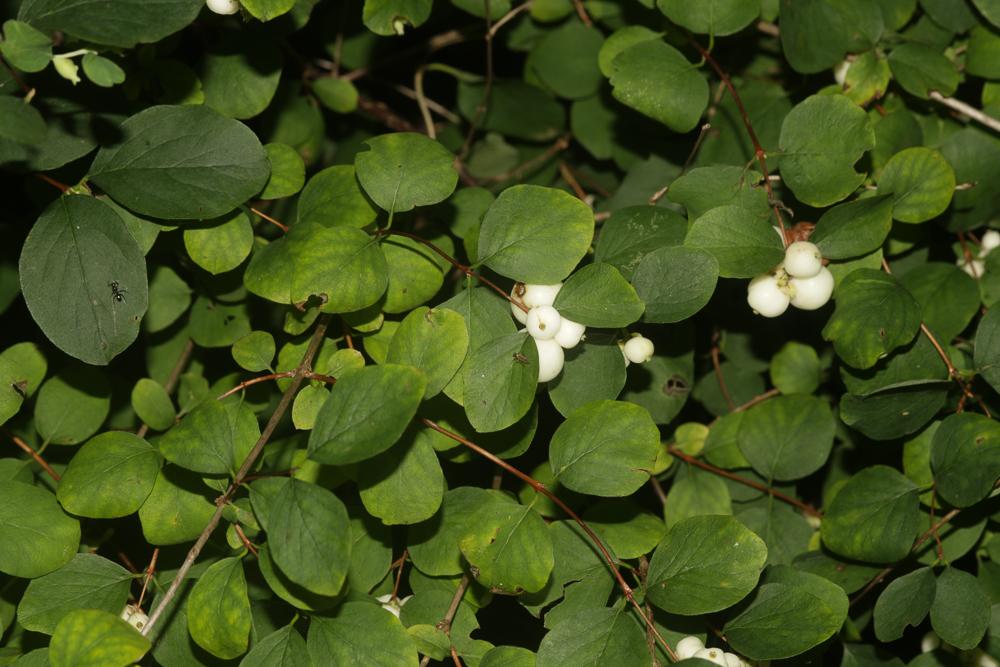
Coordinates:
(263, 400)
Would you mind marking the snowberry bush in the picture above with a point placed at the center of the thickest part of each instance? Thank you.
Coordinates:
(399, 332)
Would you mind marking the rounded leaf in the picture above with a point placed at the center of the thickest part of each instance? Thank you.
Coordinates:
(405, 170)
(922, 183)
(95, 638)
(36, 536)
(110, 476)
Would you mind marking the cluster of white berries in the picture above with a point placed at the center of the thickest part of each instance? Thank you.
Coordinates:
(693, 647)
(223, 6)
(135, 616)
(552, 332)
(800, 280)
(975, 267)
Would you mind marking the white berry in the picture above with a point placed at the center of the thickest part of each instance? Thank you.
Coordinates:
(550, 359)
(540, 295)
(732, 660)
(766, 297)
(930, 642)
(638, 349)
(135, 616)
(223, 6)
(974, 268)
(570, 333)
(812, 293)
(687, 647)
(712, 655)
(543, 322)
(991, 240)
(803, 260)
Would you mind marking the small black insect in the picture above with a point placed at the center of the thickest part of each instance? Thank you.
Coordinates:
(117, 292)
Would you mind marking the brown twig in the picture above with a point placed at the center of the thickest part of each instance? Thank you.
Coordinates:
(264, 216)
(542, 489)
(30, 451)
(433, 44)
(717, 367)
(62, 187)
(581, 11)
(509, 16)
(569, 177)
(303, 368)
(150, 570)
(558, 146)
(275, 376)
(398, 563)
(244, 539)
(381, 112)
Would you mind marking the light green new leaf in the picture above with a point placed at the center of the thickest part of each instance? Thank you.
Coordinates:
(874, 315)
(288, 171)
(101, 71)
(960, 614)
(86, 582)
(656, 80)
(705, 564)
(921, 68)
(403, 485)
(110, 476)
(334, 197)
(855, 228)
(220, 245)
(392, 17)
(218, 609)
(965, 458)
(987, 355)
(789, 614)
(415, 272)
(675, 282)
(361, 633)
(518, 241)
(508, 547)
(265, 10)
(433, 340)
(336, 94)
(123, 23)
(874, 517)
(22, 369)
(712, 17)
(83, 277)
(25, 48)
(605, 448)
(182, 162)
(214, 439)
(367, 412)
(904, 602)
(595, 636)
(598, 296)
(500, 380)
(309, 534)
(743, 244)
(255, 351)
(787, 437)
(36, 536)
(284, 647)
(95, 638)
(922, 183)
(405, 170)
(152, 404)
(177, 509)
(821, 140)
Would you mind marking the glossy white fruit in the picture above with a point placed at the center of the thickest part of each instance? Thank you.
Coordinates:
(732, 660)
(812, 293)
(550, 359)
(543, 322)
(930, 642)
(519, 314)
(713, 655)
(570, 334)
(990, 241)
(687, 647)
(975, 268)
(540, 295)
(638, 349)
(766, 297)
(223, 6)
(803, 260)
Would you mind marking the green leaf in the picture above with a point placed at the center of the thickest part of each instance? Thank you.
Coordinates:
(255, 351)
(787, 437)
(405, 170)
(222, 244)
(516, 242)
(25, 48)
(657, 80)
(416, 272)
(72, 405)
(795, 369)
(22, 129)
(696, 493)
(595, 636)
(893, 413)
(434, 341)
(922, 182)
(101, 71)
(403, 485)
(333, 197)
(517, 109)
(961, 610)
(124, 23)
(336, 94)
(22, 369)
(861, 336)
(500, 380)
(152, 404)
(508, 547)
(675, 282)
(388, 17)
(849, 575)
(265, 10)
(218, 323)
(177, 509)
(77, 260)
(309, 537)
(182, 162)
(853, 229)
(867, 78)
(169, 297)
(874, 517)
(920, 68)
(989, 9)
(821, 140)
(947, 295)
(965, 458)
(598, 296)
(983, 53)
(705, 564)
(742, 244)
(789, 614)
(916, 364)
(36, 536)
(86, 582)
(367, 412)
(605, 448)
(629, 530)
(214, 439)
(335, 639)
(715, 17)
(813, 36)
(704, 188)
(632, 232)
(433, 544)
(240, 73)
(574, 77)
(110, 476)
(904, 602)
(95, 638)
(288, 172)
(592, 372)
(284, 647)
(218, 609)
(785, 530)
(987, 355)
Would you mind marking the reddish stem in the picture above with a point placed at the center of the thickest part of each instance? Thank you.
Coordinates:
(30, 451)
(283, 227)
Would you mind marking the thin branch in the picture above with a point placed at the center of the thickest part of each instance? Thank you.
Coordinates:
(717, 367)
(433, 44)
(425, 112)
(381, 112)
(569, 177)
(542, 489)
(303, 368)
(264, 216)
(30, 451)
(581, 11)
(62, 187)
(275, 376)
(560, 144)
(436, 107)
(244, 539)
(150, 570)
(444, 625)
(509, 16)
(967, 110)
(28, 90)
